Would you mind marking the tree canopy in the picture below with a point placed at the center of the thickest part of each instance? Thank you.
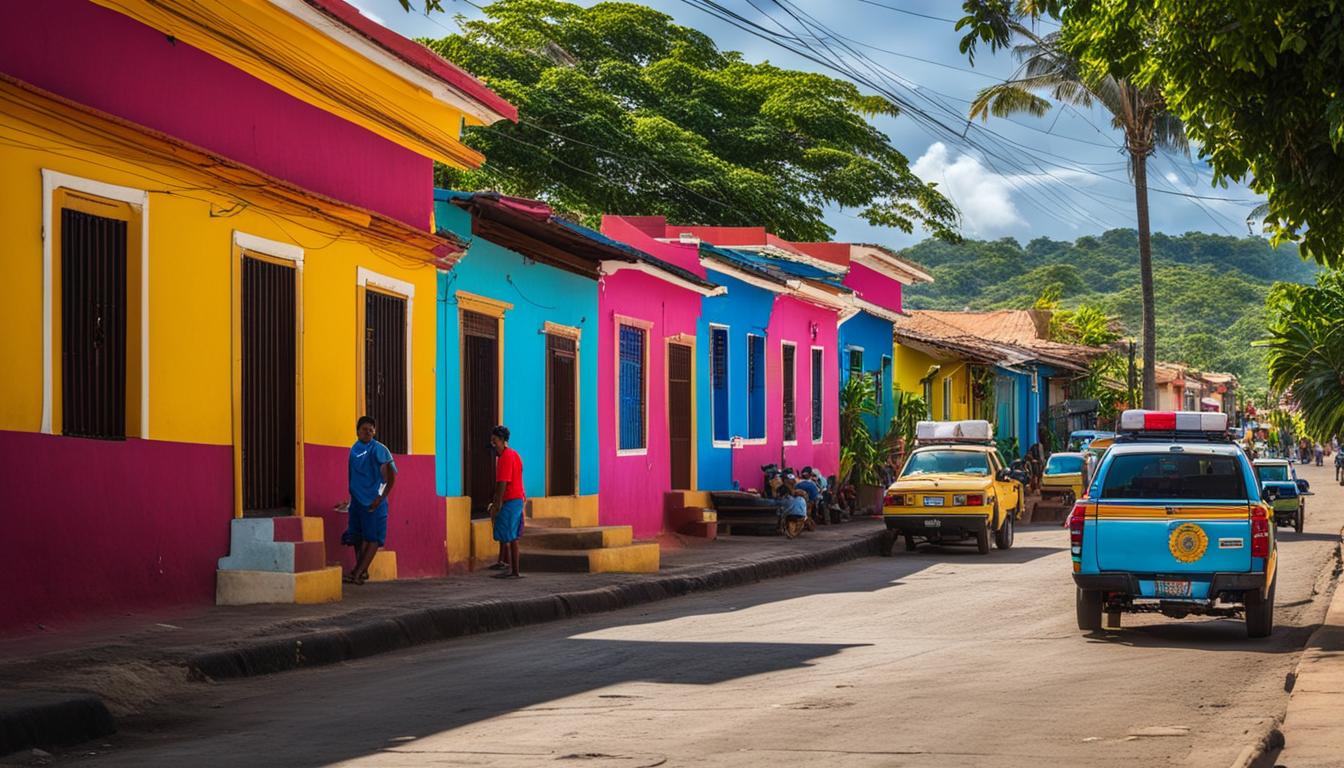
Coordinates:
(623, 111)
(1256, 83)
(1306, 350)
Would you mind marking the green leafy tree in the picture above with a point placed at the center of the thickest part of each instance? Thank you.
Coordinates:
(1306, 350)
(860, 454)
(623, 111)
(1138, 111)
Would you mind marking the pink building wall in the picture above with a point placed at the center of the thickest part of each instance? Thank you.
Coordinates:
(806, 325)
(631, 487)
(875, 287)
(90, 532)
(98, 57)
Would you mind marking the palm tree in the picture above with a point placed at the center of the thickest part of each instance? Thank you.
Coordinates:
(1139, 113)
(1306, 350)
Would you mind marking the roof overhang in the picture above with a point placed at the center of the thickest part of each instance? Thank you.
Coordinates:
(883, 262)
(746, 276)
(613, 266)
(789, 254)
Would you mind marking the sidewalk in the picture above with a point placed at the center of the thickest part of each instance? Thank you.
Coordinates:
(134, 663)
(1313, 727)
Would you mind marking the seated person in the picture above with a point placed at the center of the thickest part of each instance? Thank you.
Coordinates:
(794, 500)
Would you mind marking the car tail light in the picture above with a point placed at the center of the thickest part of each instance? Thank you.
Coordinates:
(975, 500)
(1259, 532)
(1076, 518)
(893, 499)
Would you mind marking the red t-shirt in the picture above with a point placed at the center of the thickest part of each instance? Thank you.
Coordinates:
(509, 469)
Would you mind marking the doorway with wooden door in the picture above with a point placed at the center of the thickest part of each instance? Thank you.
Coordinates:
(269, 387)
(561, 415)
(480, 407)
(679, 428)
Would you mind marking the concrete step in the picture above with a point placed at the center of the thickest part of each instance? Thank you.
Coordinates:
(631, 558)
(295, 528)
(243, 587)
(708, 529)
(545, 522)
(577, 538)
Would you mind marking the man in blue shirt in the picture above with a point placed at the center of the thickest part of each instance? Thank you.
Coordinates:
(372, 475)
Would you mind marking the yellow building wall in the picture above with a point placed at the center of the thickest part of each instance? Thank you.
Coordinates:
(190, 239)
(910, 366)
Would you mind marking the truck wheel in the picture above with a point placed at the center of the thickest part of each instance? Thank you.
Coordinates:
(1260, 612)
(1089, 603)
(909, 543)
(1003, 538)
(982, 540)
(1301, 518)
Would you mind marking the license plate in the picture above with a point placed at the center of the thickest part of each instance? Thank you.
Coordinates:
(933, 501)
(1173, 588)
(932, 523)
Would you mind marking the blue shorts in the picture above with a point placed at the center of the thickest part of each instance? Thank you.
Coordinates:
(509, 521)
(366, 524)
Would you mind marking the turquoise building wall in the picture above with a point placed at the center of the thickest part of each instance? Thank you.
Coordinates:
(538, 293)
(873, 335)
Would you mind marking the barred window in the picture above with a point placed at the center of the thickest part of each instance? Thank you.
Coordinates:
(790, 414)
(755, 386)
(633, 345)
(816, 395)
(718, 367)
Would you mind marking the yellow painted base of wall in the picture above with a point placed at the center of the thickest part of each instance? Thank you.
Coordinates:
(384, 566)
(457, 546)
(580, 511)
(484, 548)
(694, 499)
(312, 528)
(636, 558)
(257, 587)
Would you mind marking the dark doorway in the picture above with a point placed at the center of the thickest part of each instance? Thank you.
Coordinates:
(385, 367)
(679, 413)
(269, 401)
(93, 325)
(480, 407)
(561, 463)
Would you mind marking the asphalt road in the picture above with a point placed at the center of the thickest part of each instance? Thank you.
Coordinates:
(941, 658)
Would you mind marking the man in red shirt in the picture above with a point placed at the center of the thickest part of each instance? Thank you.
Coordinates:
(507, 508)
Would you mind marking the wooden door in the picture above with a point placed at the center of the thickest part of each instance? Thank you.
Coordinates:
(480, 407)
(561, 411)
(679, 414)
(269, 346)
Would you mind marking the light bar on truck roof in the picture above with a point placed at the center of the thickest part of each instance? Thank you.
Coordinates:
(969, 430)
(1172, 421)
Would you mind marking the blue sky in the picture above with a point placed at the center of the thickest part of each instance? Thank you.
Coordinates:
(1060, 176)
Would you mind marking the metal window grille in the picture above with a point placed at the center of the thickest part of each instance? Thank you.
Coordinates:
(385, 367)
(631, 385)
(270, 365)
(93, 326)
(790, 416)
(755, 386)
(816, 394)
(718, 363)
(856, 360)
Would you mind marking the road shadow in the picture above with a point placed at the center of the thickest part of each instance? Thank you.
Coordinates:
(1287, 535)
(420, 696)
(1212, 634)
(964, 555)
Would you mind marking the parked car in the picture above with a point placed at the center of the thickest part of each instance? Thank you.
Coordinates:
(954, 489)
(1175, 523)
(1290, 503)
(1063, 481)
(1079, 439)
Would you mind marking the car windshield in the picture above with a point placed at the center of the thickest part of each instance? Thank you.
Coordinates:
(1064, 465)
(1273, 472)
(1173, 476)
(955, 462)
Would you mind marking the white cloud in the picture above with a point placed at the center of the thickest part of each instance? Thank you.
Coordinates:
(983, 197)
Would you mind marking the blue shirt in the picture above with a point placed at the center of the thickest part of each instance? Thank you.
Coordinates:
(810, 488)
(366, 470)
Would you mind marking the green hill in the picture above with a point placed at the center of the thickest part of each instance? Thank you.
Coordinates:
(1210, 288)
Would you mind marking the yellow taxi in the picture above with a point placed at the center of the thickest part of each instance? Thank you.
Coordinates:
(1064, 480)
(954, 489)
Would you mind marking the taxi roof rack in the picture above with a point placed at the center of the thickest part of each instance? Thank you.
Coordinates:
(1171, 436)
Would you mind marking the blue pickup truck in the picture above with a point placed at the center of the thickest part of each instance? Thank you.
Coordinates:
(1174, 522)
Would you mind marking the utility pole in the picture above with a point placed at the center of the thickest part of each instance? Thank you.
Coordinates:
(1133, 380)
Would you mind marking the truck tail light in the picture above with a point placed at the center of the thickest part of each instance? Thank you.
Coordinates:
(1259, 532)
(975, 500)
(1076, 518)
(893, 499)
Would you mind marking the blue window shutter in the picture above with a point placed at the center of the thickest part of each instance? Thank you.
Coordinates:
(718, 363)
(755, 387)
(631, 385)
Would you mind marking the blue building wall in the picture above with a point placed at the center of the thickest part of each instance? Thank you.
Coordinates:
(745, 309)
(873, 335)
(1029, 404)
(538, 293)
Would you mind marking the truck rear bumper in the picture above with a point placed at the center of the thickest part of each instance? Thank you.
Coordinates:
(937, 526)
(1205, 586)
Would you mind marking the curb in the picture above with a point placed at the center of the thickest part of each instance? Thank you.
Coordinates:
(51, 719)
(1271, 740)
(437, 624)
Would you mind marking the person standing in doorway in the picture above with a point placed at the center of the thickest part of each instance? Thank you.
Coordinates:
(507, 508)
(372, 475)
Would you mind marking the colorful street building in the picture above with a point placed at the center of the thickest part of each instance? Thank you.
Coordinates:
(216, 262)
(648, 314)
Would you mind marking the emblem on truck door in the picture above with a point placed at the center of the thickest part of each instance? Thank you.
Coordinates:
(1188, 542)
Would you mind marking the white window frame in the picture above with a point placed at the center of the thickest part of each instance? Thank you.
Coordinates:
(765, 391)
(366, 278)
(782, 374)
(727, 382)
(819, 394)
(52, 181)
(947, 398)
(647, 328)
